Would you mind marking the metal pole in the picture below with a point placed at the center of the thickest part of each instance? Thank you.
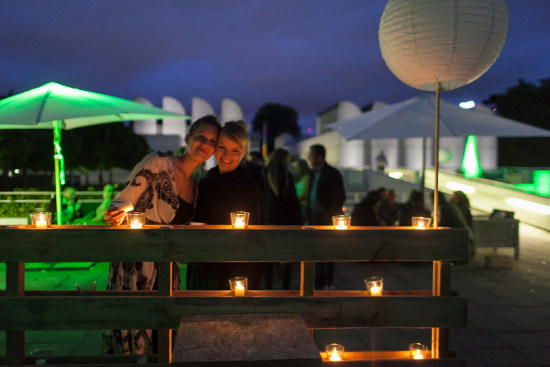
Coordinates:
(57, 159)
(436, 152)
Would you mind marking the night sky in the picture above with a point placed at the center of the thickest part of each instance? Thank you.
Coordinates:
(308, 54)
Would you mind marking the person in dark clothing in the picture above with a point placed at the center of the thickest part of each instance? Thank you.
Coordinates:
(389, 209)
(463, 203)
(226, 188)
(365, 213)
(281, 206)
(414, 207)
(326, 197)
(254, 167)
(449, 215)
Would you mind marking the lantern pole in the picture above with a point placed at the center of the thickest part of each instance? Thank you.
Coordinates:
(436, 153)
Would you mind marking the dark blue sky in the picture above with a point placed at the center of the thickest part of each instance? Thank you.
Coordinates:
(307, 54)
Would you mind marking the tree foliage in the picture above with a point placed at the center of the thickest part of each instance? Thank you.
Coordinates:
(279, 118)
(528, 103)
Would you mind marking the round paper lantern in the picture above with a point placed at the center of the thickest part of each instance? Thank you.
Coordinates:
(452, 42)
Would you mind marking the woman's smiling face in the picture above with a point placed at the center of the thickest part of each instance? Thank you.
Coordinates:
(229, 154)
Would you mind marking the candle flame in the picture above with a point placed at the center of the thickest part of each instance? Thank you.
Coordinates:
(136, 224)
(239, 222)
(418, 354)
(334, 356)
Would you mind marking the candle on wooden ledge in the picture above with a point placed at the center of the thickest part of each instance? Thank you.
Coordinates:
(335, 352)
(239, 220)
(239, 286)
(418, 351)
(374, 285)
(41, 219)
(341, 221)
(136, 220)
(421, 222)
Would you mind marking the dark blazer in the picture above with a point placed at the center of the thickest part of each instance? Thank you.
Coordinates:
(330, 193)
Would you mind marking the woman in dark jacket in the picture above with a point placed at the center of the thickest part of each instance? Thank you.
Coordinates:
(281, 207)
(226, 188)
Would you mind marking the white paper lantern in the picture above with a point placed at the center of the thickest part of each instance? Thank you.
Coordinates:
(452, 42)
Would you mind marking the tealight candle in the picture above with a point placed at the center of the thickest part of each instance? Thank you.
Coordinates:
(238, 286)
(40, 219)
(418, 351)
(341, 221)
(374, 285)
(421, 222)
(239, 220)
(335, 352)
(136, 220)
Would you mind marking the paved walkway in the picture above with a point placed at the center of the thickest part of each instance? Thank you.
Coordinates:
(508, 308)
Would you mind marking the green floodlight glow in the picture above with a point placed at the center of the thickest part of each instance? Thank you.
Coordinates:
(541, 179)
(470, 161)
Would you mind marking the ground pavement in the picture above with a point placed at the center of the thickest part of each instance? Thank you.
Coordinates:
(508, 308)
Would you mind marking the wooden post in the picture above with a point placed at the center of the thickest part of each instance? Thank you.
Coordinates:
(15, 287)
(307, 279)
(441, 287)
(165, 290)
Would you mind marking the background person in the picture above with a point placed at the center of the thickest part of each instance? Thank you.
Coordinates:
(281, 206)
(414, 207)
(326, 197)
(70, 207)
(162, 186)
(302, 182)
(95, 217)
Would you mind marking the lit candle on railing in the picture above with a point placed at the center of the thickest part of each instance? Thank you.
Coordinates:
(40, 219)
(238, 286)
(418, 351)
(341, 221)
(421, 222)
(239, 220)
(335, 352)
(136, 220)
(374, 285)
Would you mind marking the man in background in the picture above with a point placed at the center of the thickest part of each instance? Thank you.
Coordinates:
(326, 197)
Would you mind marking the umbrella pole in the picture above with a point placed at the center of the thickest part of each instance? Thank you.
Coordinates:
(436, 153)
(57, 160)
(423, 169)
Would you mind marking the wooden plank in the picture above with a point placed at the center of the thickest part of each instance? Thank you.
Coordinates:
(93, 313)
(271, 243)
(15, 287)
(250, 339)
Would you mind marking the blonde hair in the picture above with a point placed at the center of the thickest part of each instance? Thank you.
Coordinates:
(238, 132)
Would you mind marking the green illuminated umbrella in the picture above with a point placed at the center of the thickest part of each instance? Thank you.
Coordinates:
(55, 106)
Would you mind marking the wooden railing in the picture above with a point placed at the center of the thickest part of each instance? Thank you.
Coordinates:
(68, 310)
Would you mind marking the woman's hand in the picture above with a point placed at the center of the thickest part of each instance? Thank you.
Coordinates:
(115, 217)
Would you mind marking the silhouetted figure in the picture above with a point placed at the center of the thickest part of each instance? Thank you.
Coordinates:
(365, 213)
(414, 207)
(389, 209)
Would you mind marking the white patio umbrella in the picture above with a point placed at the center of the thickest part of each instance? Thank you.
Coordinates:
(413, 118)
(55, 106)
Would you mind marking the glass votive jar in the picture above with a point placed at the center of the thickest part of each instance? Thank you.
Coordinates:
(239, 220)
(418, 351)
(421, 222)
(136, 220)
(374, 285)
(341, 221)
(41, 219)
(239, 286)
(335, 352)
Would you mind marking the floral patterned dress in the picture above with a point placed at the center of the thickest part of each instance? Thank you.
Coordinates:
(151, 189)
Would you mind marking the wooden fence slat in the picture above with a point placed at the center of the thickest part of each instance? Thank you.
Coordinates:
(90, 313)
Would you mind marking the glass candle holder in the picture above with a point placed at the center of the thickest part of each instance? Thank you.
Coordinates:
(421, 222)
(41, 219)
(239, 286)
(374, 285)
(418, 351)
(136, 220)
(341, 221)
(239, 220)
(335, 352)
